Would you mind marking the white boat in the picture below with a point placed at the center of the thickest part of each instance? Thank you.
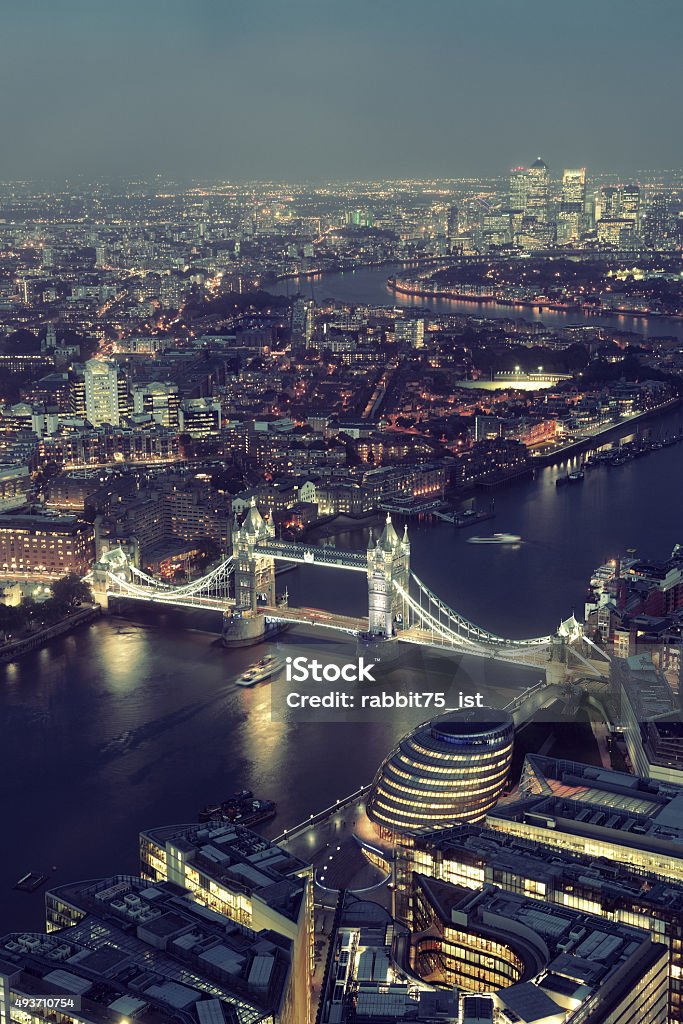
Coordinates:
(497, 538)
(263, 669)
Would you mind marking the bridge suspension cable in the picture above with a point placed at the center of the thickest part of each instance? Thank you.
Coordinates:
(438, 618)
(206, 591)
(220, 574)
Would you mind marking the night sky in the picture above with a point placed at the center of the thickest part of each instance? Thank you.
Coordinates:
(328, 90)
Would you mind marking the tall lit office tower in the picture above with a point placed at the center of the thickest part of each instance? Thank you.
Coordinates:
(101, 256)
(609, 203)
(309, 326)
(48, 258)
(303, 322)
(631, 205)
(574, 188)
(571, 215)
(101, 392)
(50, 342)
(657, 221)
(538, 191)
(518, 188)
(452, 225)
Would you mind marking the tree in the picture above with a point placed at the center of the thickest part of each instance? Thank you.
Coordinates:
(49, 612)
(208, 550)
(11, 619)
(70, 591)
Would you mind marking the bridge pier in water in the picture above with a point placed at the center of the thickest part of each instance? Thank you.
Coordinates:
(254, 578)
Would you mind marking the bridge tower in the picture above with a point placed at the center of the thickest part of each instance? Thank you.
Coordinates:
(388, 563)
(254, 573)
(112, 563)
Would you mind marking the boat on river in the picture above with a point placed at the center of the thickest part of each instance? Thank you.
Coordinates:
(496, 538)
(260, 671)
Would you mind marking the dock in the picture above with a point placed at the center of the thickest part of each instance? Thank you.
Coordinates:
(410, 507)
(31, 881)
(460, 520)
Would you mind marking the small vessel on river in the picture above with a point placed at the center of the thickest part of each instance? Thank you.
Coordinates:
(241, 808)
(497, 538)
(259, 671)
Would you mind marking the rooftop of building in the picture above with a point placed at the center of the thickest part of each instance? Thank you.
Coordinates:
(470, 722)
(646, 689)
(242, 860)
(559, 776)
(53, 522)
(598, 804)
(601, 821)
(155, 950)
(566, 954)
(614, 882)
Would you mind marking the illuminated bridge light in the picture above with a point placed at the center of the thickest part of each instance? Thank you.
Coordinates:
(450, 770)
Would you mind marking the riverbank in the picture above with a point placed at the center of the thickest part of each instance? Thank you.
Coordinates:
(369, 265)
(17, 648)
(601, 437)
(406, 288)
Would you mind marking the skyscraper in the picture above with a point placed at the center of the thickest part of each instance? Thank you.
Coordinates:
(574, 189)
(657, 224)
(571, 218)
(610, 202)
(538, 191)
(101, 392)
(452, 224)
(631, 205)
(518, 188)
(303, 322)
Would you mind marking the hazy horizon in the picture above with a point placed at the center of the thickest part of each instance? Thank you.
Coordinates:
(328, 92)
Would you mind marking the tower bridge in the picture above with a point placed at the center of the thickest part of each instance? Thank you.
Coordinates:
(400, 606)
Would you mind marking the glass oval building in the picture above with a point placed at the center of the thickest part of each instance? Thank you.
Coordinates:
(451, 770)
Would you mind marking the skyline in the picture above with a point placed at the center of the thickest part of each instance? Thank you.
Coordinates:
(325, 93)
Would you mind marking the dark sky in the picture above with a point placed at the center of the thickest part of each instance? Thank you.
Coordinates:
(337, 89)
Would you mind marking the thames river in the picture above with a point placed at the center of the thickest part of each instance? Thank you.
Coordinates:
(119, 726)
(368, 286)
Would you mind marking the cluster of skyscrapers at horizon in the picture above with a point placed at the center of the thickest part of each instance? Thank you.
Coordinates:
(541, 213)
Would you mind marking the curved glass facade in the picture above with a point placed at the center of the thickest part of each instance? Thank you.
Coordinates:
(450, 770)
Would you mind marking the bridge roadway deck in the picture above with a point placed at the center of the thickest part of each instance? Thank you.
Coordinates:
(315, 617)
(314, 555)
